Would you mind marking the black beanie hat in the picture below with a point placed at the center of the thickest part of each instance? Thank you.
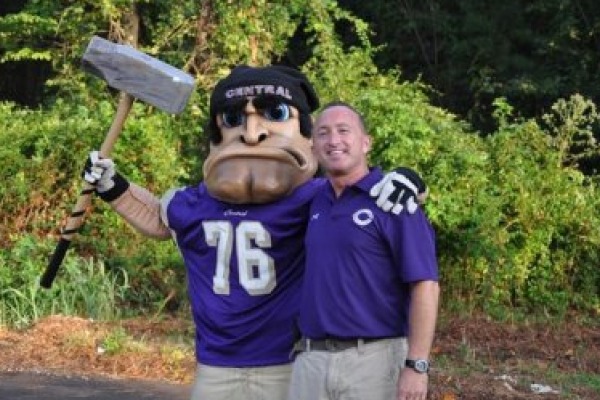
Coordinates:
(275, 80)
(278, 80)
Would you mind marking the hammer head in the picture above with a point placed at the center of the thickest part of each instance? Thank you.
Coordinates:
(144, 77)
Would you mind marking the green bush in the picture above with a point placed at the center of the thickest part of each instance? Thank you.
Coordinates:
(517, 224)
(514, 222)
(43, 153)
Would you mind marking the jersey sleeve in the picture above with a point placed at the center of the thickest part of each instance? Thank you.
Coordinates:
(164, 205)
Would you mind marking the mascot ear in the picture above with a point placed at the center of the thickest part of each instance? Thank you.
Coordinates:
(306, 124)
(212, 132)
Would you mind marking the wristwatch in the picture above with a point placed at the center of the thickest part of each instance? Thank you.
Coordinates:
(419, 365)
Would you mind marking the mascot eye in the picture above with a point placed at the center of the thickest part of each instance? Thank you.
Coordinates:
(232, 118)
(277, 112)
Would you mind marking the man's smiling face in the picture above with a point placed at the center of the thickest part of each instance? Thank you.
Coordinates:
(341, 142)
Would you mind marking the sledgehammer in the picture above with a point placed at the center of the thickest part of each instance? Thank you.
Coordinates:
(136, 75)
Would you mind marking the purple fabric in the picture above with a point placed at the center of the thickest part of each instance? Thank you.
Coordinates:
(359, 262)
(252, 321)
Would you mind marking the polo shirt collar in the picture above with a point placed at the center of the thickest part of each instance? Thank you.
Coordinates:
(366, 182)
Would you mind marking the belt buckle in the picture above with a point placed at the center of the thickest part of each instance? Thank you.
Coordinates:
(330, 345)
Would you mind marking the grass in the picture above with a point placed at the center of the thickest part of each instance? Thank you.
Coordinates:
(85, 287)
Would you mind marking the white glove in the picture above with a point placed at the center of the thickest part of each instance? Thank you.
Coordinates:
(399, 189)
(100, 172)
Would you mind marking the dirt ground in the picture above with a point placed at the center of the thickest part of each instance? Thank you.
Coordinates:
(473, 358)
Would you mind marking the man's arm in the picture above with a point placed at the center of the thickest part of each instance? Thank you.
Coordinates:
(422, 320)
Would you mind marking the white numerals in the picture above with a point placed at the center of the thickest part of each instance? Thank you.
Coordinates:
(219, 234)
(256, 268)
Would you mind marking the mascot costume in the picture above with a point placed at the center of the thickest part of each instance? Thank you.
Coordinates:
(241, 231)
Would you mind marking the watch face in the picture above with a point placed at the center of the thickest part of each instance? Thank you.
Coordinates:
(421, 366)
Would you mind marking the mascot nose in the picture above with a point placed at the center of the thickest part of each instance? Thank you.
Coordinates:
(255, 131)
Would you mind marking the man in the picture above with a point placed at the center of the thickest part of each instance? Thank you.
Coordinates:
(241, 231)
(370, 292)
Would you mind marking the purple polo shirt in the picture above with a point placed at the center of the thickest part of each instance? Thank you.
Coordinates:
(244, 266)
(359, 262)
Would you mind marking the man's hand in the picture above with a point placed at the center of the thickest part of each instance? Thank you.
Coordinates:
(412, 385)
(398, 189)
(101, 173)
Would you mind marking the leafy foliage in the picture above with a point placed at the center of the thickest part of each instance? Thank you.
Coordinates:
(473, 52)
(516, 221)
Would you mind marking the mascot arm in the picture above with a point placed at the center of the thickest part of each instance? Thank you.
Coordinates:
(400, 189)
(142, 210)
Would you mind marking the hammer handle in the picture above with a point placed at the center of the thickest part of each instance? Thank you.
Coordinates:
(75, 220)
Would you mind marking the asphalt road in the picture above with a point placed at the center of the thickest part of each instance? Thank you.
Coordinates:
(34, 386)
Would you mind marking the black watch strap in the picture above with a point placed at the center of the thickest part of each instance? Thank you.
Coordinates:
(419, 365)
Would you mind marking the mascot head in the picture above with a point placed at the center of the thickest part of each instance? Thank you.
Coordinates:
(259, 131)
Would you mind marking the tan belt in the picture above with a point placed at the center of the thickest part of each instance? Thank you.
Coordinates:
(306, 344)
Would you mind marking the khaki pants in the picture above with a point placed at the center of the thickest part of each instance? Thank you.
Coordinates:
(369, 371)
(256, 383)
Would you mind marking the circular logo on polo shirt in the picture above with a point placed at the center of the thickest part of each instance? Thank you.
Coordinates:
(363, 217)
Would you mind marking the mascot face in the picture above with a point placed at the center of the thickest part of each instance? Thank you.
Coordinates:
(262, 155)
(258, 153)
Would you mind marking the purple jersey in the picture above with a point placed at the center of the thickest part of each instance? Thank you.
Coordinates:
(244, 265)
(359, 262)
